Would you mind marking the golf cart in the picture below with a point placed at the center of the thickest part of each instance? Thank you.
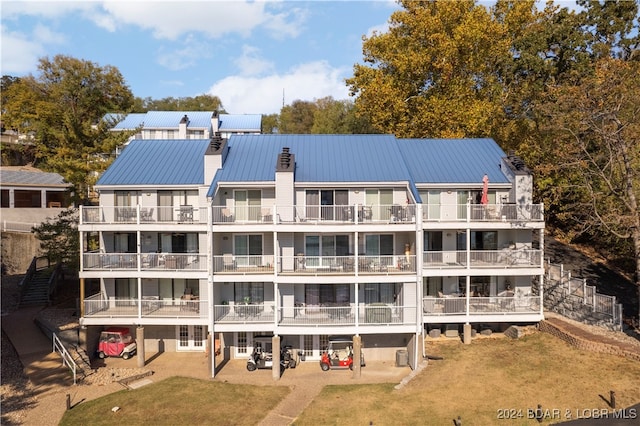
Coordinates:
(116, 341)
(339, 354)
(262, 356)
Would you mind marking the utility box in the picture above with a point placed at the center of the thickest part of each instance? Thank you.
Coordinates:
(402, 358)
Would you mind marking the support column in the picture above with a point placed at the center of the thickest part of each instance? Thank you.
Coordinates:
(275, 355)
(140, 345)
(466, 333)
(81, 297)
(357, 356)
(211, 353)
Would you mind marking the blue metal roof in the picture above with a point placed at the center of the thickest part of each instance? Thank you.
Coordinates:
(171, 119)
(127, 121)
(241, 122)
(453, 160)
(158, 162)
(318, 158)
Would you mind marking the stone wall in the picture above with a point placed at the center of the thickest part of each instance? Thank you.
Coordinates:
(18, 250)
(587, 345)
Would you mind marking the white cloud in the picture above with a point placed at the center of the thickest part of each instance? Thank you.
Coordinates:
(264, 95)
(250, 63)
(170, 20)
(184, 57)
(21, 51)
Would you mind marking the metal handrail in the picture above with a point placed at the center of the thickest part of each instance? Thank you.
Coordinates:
(66, 356)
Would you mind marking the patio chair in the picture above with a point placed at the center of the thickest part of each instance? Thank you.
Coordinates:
(228, 264)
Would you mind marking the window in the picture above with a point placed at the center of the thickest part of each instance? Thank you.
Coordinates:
(249, 292)
(124, 242)
(380, 201)
(325, 204)
(126, 291)
(179, 243)
(431, 200)
(379, 245)
(247, 249)
(433, 241)
(175, 288)
(322, 250)
(432, 286)
(463, 196)
(433, 247)
(327, 294)
(169, 203)
(248, 205)
(480, 240)
(380, 293)
(242, 342)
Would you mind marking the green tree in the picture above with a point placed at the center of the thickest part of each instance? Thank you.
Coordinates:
(59, 238)
(63, 107)
(433, 74)
(596, 141)
(338, 116)
(297, 118)
(196, 103)
(269, 124)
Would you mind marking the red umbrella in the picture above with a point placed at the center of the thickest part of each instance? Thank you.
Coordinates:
(485, 190)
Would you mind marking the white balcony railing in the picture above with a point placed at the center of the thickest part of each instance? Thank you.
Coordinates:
(241, 264)
(149, 306)
(331, 265)
(143, 215)
(330, 214)
(143, 261)
(505, 258)
(454, 305)
(483, 212)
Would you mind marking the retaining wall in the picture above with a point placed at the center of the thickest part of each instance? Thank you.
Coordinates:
(587, 345)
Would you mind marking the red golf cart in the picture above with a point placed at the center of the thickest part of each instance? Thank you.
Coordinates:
(118, 342)
(339, 354)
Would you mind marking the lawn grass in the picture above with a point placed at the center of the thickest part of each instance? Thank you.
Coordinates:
(477, 382)
(481, 381)
(180, 401)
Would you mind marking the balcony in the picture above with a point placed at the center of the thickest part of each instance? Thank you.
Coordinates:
(454, 305)
(243, 264)
(505, 258)
(316, 214)
(483, 213)
(99, 306)
(142, 215)
(346, 265)
(97, 261)
(315, 315)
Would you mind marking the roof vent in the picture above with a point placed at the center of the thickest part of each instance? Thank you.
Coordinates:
(285, 160)
(184, 119)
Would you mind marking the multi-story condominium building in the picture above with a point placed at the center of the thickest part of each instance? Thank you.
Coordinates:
(186, 124)
(306, 236)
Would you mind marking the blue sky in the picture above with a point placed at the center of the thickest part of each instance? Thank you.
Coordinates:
(246, 53)
(251, 54)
